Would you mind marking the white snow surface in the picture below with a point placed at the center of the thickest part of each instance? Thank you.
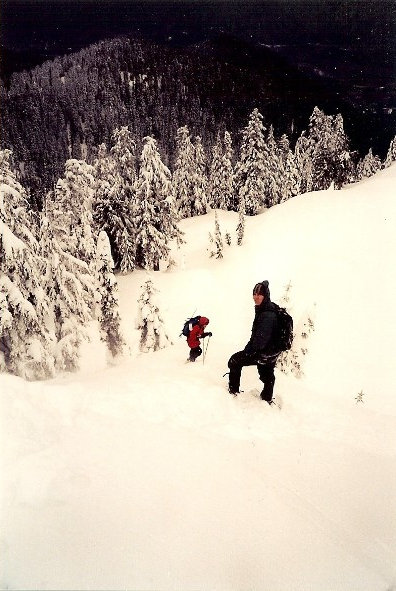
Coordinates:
(148, 475)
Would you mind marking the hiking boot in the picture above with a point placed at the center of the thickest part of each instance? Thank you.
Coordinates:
(233, 391)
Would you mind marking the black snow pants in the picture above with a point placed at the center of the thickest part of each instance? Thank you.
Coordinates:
(265, 370)
(194, 353)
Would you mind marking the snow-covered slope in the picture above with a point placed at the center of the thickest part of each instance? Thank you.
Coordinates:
(148, 475)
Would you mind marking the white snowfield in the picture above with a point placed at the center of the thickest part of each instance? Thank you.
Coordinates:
(147, 475)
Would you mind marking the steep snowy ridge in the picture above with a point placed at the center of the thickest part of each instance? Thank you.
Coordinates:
(148, 475)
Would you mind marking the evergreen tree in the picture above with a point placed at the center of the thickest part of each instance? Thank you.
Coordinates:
(274, 171)
(222, 174)
(72, 210)
(216, 241)
(391, 154)
(227, 173)
(292, 361)
(240, 230)
(68, 248)
(215, 190)
(123, 152)
(113, 203)
(127, 248)
(68, 283)
(304, 164)
(26, 341)
(284, 147)
(329, 149)
(250, 174)
(69, 212)
(183, 173)
(149, 321)
(199, 180)
(73, 103)
(368, 166)
(104, 181)
(109, 317)
(154, 213)
(291, 179)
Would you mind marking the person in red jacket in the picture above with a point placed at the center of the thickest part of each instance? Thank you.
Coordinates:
(197, 332)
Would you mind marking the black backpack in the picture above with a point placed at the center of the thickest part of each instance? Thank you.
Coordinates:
(189, 323)
(284, 332)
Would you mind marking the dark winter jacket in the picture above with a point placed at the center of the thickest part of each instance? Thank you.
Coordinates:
(197, 332)
(262, 340)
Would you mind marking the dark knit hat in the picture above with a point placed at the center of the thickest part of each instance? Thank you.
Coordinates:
(262, 288)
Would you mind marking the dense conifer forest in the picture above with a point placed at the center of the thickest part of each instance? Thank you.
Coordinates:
(67, 107)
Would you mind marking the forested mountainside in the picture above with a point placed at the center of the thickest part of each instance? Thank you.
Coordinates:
(16, 61)
(66, 107)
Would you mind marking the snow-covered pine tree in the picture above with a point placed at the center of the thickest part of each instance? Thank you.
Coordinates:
(211, 247)
(368, 166)
(121, 227)
(124, 153)
(216, 241)
(215, 191)
(183, 173)
(240, 229)
(274, 171)
(8, 176)
(250, 171)
(26, 340)
(285, 299)
(73, 203)
(127, 248)
(292, 361)
(68, 283)
(344, 167)
(227, 173)
(152, 330)
(391, 154)
(199, 180)
(104, 170)
(112, 203)
(330, 150)
(154, 213)
(69, 212)
(283, 147)
(104, 181)
(291, 179)
(303, 164)
(221, 177)
(109, 316)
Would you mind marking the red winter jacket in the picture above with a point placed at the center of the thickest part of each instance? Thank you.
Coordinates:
(196, 332)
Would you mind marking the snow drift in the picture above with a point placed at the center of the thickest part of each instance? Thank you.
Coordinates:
(148, 475)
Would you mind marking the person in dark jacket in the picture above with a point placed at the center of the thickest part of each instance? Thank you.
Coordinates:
(261, 348)
(197, 332)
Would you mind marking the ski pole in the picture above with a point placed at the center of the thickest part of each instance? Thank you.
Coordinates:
(205, 351)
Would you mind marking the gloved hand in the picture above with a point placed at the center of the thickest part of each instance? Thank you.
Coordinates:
(208, 334)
